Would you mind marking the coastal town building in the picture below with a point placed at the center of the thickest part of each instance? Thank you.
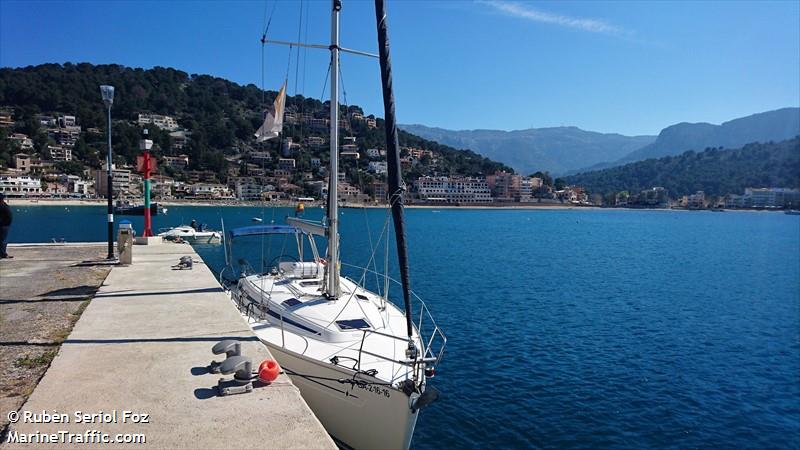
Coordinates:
(120, 182)
(349, 154)
(289, 148)
(209, 191)
(374, 153)
(694, 201)
(27, 163)
(81, 187)
(179, 140)
(161, 187)
(6, 119)
(60, 153)
(453, 190)
(315, 162)
(286, 163)
(248, 189)
(22, 141)
(503, 185)
(315, 141)
(67, 121)
(47, 121)
(371, 123)
(20, 185)
(379, 190)
(179, 162)
(259, 156)
(162, 122)
(204, 176)
(765, 198)
(378, 167)
(65, 136)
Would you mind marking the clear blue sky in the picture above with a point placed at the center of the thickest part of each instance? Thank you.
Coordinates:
(630, 67)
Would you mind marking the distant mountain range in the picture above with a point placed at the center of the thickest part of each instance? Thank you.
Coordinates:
(558, 150)
(569, 150)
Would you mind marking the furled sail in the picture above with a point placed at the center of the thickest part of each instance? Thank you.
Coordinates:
(273, 123)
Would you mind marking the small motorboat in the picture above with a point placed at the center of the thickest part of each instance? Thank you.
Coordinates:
(192, 235)
(257, 219)
(124, 208)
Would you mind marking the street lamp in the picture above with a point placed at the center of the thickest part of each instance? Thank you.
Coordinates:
(108, 98)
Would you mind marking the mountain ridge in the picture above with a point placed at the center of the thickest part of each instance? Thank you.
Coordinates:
(545, 148)
(545, 145)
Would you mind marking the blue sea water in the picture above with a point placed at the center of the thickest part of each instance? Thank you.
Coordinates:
(578, 328)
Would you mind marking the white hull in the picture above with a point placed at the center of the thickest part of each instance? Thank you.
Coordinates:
(191, 235)
(369, 417)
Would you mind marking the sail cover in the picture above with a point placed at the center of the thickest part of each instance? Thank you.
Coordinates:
(273, 123)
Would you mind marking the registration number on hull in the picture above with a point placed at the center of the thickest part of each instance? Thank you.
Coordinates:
(377, 390)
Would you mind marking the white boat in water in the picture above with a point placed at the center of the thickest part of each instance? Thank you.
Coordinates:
(361, 362)
(190, 234)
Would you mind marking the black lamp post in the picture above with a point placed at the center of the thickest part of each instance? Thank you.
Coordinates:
(108, 98)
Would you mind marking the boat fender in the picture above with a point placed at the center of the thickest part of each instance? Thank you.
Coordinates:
(268, 371)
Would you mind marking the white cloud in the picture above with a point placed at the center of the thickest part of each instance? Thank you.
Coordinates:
(524, 11)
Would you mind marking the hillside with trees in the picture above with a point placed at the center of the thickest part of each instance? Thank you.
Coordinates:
(716, 171)
(219, 116)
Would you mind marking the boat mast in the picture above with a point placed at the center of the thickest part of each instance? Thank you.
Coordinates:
(394, 175)
(332, 290)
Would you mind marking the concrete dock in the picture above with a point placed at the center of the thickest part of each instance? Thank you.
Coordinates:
(142, 348)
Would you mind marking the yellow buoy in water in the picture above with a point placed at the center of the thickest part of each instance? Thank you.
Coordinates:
(300, 208)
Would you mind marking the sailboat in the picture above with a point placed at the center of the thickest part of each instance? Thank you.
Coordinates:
(361, 363)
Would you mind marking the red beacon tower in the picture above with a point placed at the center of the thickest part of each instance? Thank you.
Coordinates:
(146, 164)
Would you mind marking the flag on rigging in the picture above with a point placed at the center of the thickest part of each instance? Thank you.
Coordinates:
(273, 123)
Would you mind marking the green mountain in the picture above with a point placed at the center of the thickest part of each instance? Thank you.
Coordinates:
(220, 116)
(558, 150)
(714, 171)
(777, 125)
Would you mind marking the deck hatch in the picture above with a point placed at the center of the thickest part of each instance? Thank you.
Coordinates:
(352, 324)
(291, 302)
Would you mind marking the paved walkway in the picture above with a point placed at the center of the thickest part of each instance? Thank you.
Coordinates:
(35, 317)
(144, 350)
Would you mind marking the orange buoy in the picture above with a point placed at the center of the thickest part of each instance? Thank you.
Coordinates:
(268, 370)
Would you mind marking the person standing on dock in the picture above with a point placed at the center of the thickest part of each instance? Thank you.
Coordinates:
(5, 226)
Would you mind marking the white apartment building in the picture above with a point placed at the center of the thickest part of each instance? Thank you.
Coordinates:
(60, 153)
(163, 122)
(67, 121)
(454, 190)
(765, 198)
(249, 190)
(179, 162)
(20, 185)
(373, 153)
(209, 190)
(378, 167)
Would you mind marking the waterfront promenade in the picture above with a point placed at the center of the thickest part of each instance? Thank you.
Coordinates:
(141, 346)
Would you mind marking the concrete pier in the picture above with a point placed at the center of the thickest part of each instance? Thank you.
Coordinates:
(142, 348)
